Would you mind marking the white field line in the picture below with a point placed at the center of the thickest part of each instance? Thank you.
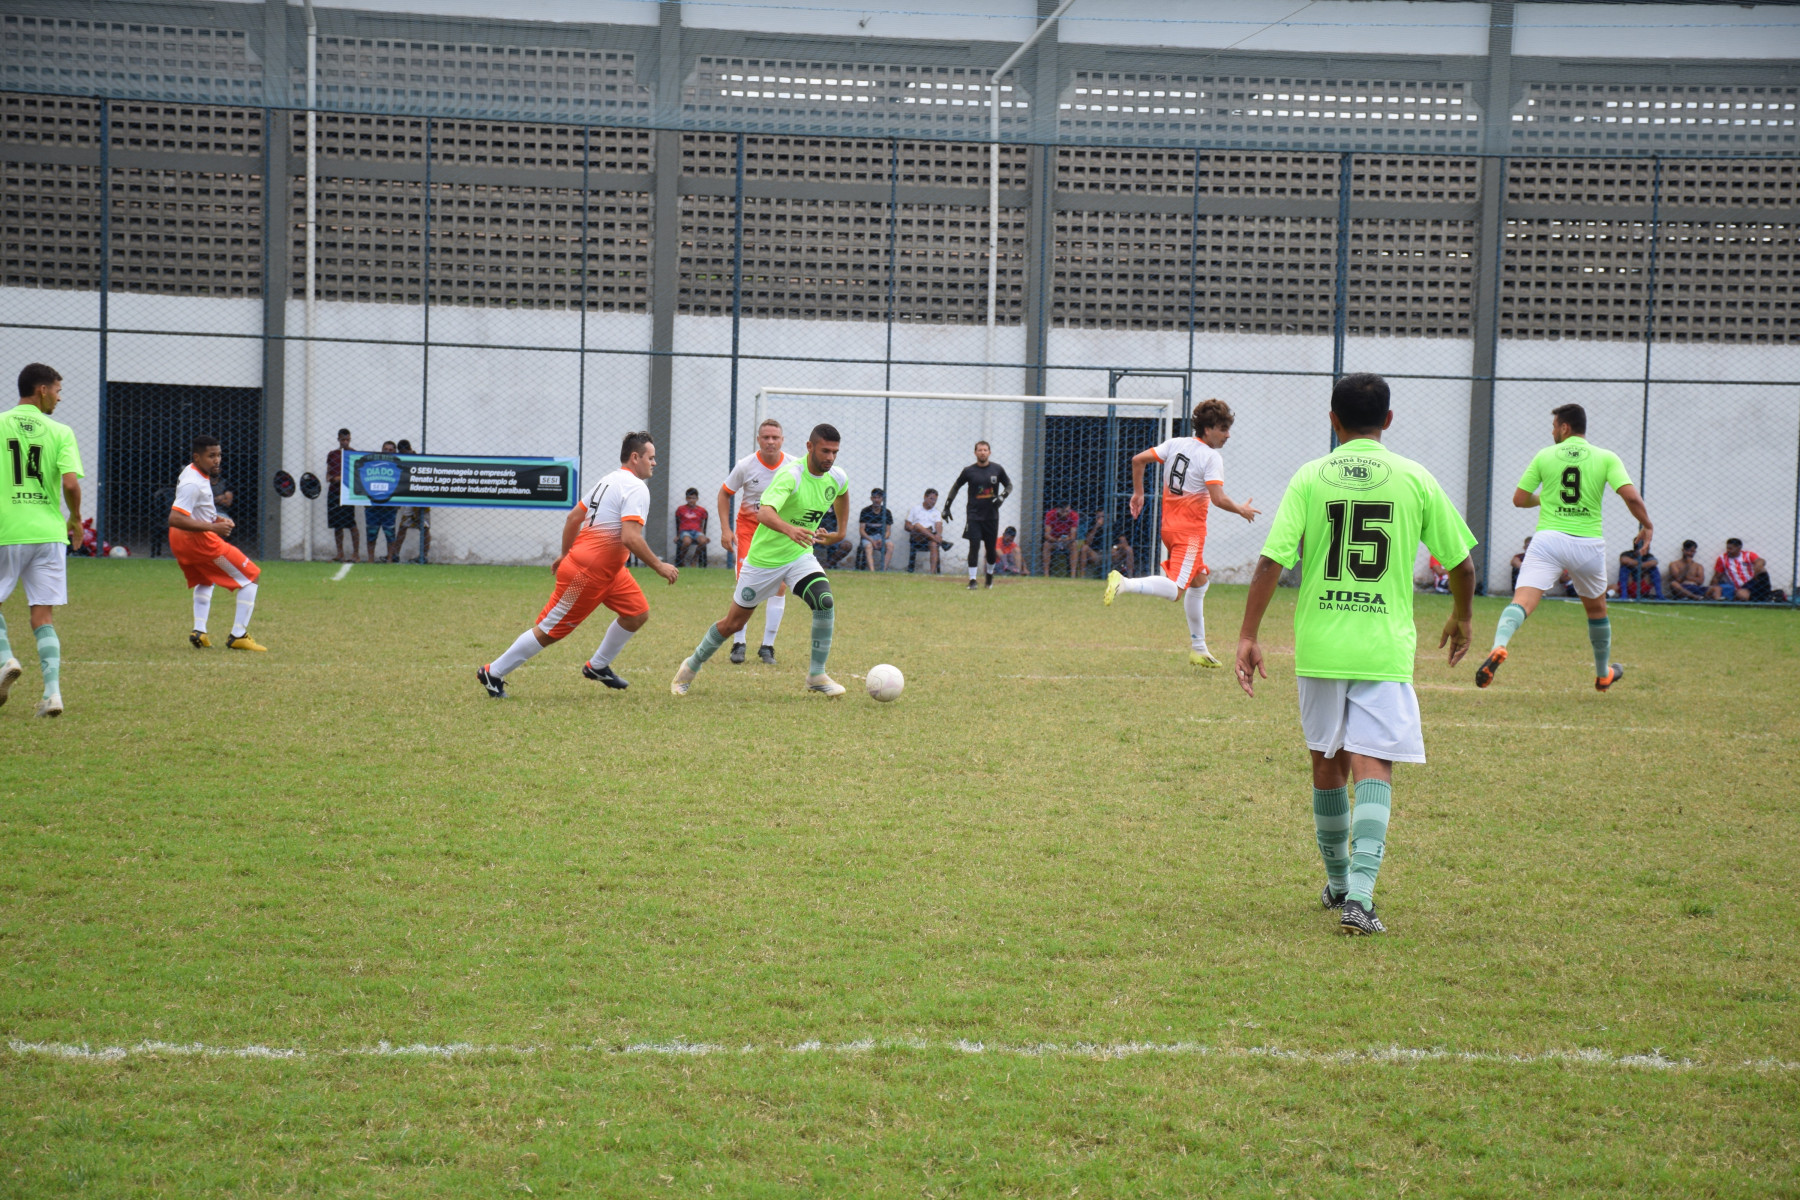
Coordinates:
(342, 571)
(1104, 1051)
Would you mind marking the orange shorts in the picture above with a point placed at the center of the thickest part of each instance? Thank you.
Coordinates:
(1186, 544)
(209, 558)
(580, 590)
(747, 525)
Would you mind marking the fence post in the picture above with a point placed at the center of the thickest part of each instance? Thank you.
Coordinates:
(1650, 313)
(425, 295)
(1340, 320)
(1490, 265)
(581, 375)
(737, 310)
(100, 491)
(887, 378)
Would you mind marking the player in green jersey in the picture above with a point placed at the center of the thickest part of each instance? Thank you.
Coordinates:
(1574, 476)
(38, 460)
(1362, 511)
(796, 500)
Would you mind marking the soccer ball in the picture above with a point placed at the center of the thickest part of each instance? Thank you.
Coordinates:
(886, 682)
(118, 552)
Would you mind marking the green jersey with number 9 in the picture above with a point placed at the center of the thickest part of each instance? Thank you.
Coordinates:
(1362, 512)
(1574, 476)
(35, 454)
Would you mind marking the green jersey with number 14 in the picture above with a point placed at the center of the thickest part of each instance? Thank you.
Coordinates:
(35, 454)
(1362, 512)
(1574, 476)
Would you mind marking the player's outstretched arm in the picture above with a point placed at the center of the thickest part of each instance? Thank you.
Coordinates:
(949, 514)
(1139, 461)
(1524, 499)
(1634, 500)
(181, 520)
(1462, 605)
(632, 534)
(1005, 485)
(1217, 492)
(727, 528)
(1249, 654)
(71, 486)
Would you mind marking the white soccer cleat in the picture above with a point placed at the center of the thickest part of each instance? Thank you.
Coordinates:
(684, 679)
(50, 706)
(825, 685)
(10, 671)
(1112, 586)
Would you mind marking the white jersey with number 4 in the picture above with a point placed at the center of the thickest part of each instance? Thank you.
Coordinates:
(618, 497)
(194, 494)
(750, 477)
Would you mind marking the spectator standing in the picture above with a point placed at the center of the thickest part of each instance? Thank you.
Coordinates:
(338, 515)
(1687, 578)
(926, 525)
(1740, 574)
(877, 524)
(1059, 533)
(413, 517)
(1012, 558)
(690, 529)
(1640, 576)
(380, 517)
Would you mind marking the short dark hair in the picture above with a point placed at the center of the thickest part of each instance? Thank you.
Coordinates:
(203, 440)
(343, 433)
(1360, 402)
(405, 446)
(633, 443)
(35, 376)
(1212, 414)
(1734, 541)
(1011, 531)
(386, 444)
(981, 443)
(877, 492)
(824, 433)
(692, 492)
(931, 491)
(1690, 544)
(1572, 415)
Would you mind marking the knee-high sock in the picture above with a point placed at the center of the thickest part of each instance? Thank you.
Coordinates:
(823, 619)
(202, 605)
(772, 610)
(5, 642)
(1195, 604)
(708, 646)
(1600, 634)
(246, 606)
(610, 645)
(523, 650)
(50, 658)
(1331, 824)
(1160, 586)
(1510, 620)
(1368, 837)
(973, 568)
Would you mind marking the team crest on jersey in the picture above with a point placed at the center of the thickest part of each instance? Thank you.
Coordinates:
(748, 595)
(1571, 453)
(27, 426)
(1358, 472)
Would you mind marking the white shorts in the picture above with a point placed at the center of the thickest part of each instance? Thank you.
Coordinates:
(44, 566)
(756, 584)
(1378, 718)
(1552, 552)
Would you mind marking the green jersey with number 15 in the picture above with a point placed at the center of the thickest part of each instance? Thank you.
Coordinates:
(1574, 476)
(35, 453)
(1362, 511)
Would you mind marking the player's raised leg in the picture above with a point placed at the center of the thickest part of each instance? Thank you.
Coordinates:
(197, 534)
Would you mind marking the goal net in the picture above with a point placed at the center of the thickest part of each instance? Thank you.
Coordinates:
(1072, 451)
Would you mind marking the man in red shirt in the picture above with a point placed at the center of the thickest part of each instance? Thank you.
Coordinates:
(1059, 531)
(690, 529)
(1739, 574)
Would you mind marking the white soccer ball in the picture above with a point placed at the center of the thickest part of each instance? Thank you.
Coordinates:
(886, 682)
(118, 552)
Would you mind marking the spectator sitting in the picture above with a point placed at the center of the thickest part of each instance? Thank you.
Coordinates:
(1687, 578)
(926, 525)
(1434, 578)
(1740, 574)
(1518, 560)
(830, 556)
(1012, 559)
(379, 518)
(1088, 547)
(1124, 557)
(876, 522)
(1639, 575)
(690, 529)
(1059, 532)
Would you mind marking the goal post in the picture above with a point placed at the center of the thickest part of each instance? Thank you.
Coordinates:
(905, 441)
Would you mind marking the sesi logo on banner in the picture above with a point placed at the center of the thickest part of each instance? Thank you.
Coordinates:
(379, 478)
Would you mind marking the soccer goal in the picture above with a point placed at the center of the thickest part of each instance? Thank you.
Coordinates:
(1072, 451)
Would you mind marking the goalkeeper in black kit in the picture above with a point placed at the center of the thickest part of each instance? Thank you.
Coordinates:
(988, 489)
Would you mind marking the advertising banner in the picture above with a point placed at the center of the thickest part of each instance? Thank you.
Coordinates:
(459, 481)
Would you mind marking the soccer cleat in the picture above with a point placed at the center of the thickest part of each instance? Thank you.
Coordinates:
(1613, 676)
(766, 654)
(1331, 899)
(199, 640)
(990, 580)
(1202, 658)
(737, 652)
(1112, 587)
(604, 675)
(245, 642)
(1484, 674)
(10, 671)
(495, 685)
(971, 583)
(825, 685)
(1358, 921)
(51, 705)
(684, 678)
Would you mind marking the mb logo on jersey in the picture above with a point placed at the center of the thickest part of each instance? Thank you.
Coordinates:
(1571, 453)
(28, 427)
(1357, 472)
(379, 479)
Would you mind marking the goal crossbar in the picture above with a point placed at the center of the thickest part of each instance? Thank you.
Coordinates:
(763, 393)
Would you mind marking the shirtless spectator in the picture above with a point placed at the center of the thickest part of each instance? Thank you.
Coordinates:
(1687, 578)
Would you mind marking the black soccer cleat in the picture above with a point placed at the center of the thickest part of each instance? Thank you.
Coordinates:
(496, 686)
(1358, 921)
(971, 585)
(1331, 899)
(990, 580)
(766, 654)
(737, 652)
(1613, 676)
(1484, 674)
(604, 675)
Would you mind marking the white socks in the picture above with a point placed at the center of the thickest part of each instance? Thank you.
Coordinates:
(202, 605)
(610, 645)
(517, 654)
(972, 570)
(1195, 604)
(773, 607)
(246, 604)
(1160, 586)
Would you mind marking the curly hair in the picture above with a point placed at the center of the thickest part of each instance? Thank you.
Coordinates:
(1212, 414)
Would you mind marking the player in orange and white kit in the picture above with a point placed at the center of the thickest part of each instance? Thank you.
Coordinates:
(600, 534)
(1193, 481)
(197, 536)
(748, 479)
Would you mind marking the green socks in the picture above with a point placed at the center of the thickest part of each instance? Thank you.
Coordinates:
(823, 619)
(50, 658)
(707, 647)
(5, 645)
(1510, 620)
(1600, 634)
(1331, 821)
(1368, 837)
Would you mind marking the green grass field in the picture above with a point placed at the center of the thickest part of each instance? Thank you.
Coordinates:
(328, 921)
